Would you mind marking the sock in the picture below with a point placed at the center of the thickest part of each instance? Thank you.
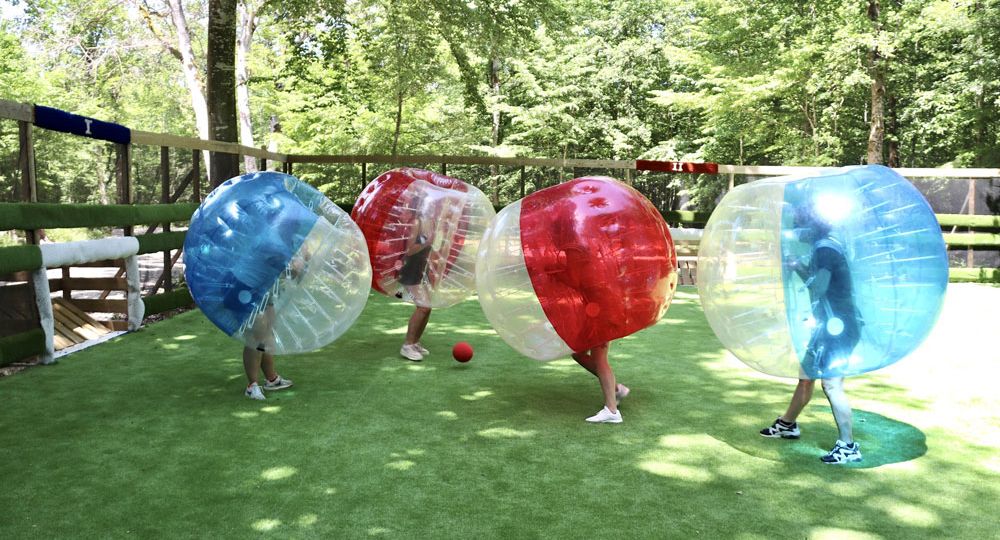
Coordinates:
(784, 423)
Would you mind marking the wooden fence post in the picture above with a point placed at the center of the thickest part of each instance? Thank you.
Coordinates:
(444, 169)
(522, 182)
(732, 182)
(196, 174)
(123, 177)
(26, 162)
(364, 175)
(970, 253)
(168, 284)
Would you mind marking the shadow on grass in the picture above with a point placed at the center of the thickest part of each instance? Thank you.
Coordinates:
(883, 441)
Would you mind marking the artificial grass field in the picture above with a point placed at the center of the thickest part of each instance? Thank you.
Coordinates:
(149, 435)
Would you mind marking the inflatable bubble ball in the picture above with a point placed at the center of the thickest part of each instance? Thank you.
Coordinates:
(575, 265)
(823, 276)
(276, 265)
(423, 231)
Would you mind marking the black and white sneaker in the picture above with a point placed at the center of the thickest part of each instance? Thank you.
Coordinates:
(843, 453)
(782, 429)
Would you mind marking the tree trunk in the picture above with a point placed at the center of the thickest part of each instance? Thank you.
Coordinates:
(221, 86)
(399, 120)
(272, 144)
(891, 130)
(247, 25)
(876, 135)
(496, 137)
(191, 75)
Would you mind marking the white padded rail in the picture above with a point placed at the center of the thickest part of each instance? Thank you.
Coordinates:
(70, 253)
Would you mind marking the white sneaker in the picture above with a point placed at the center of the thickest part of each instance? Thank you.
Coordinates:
(411, 352)
(421, 348)
(606, 416)
(254, 392)
(277, 384)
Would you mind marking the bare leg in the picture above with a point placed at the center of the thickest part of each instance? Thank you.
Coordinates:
(596, 362)
(418, 322)
(800, 398)
(251, 364)
(267, 363)
(834, 390)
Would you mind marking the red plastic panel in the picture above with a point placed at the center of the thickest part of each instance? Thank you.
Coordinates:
(381, 212)
(600, 257)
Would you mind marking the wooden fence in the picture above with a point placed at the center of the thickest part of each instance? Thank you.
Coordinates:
(982, 232)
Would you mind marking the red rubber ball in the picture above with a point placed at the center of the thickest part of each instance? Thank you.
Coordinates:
(462, 351)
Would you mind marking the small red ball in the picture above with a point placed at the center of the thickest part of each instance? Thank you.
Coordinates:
(462, 351)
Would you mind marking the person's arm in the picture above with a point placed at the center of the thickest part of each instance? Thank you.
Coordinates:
(823, 263)
(412, 246)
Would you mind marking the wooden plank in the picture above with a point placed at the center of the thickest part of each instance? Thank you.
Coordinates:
(915, 172)
(106, 263)
(73, 316)
(965, 220)
(24, 112)
(93, 284)
(72, 326)
(464, 160)
(67, 332)
(986, 240)
(191, 143)
(61, 342)
(118, 326)
(102, 306)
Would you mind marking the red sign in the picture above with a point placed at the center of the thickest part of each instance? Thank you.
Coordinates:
(676, 166)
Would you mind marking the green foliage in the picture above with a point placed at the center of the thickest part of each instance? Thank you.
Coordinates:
(732, 82)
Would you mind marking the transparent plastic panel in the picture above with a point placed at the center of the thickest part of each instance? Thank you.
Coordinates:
(506, 294)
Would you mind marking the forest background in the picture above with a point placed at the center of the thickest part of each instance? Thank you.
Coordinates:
(912, 83)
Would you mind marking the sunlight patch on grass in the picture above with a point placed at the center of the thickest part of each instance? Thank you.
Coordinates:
(419, 367)
(246, 414)
(278, 473)
(234, 376)
(448, 415)
(477, 395)
(992, 464)
(832, 533)
(265, 525)
(171, 346)
(271, 409)
(904, 513)
(378, 531)
(506, 433)
(307, 520)
(685, 457)
(184, 337)
(401, 465)
(666, 469)
(330, 491)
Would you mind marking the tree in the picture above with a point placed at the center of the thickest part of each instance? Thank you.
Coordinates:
(223, 124)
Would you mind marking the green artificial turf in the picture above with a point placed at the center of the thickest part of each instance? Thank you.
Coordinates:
(149, 435)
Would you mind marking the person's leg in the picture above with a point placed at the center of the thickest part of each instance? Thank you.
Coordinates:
(251, 364)
(267, 364)
(785, 426)
(596, 362)
(800, 398)
(417, 324)
(834, 390)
